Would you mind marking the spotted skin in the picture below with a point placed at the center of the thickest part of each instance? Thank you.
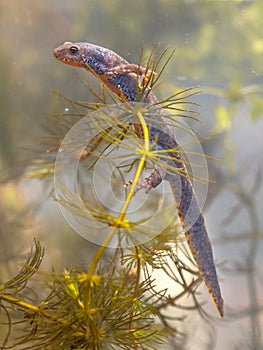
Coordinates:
(124, 79)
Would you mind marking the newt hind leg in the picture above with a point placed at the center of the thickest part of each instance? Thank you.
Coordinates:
(152, 181)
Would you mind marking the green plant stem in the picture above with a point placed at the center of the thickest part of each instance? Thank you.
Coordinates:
(27, 306)
(118, 222)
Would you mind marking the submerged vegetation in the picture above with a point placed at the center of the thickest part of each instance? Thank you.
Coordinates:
(114, 303)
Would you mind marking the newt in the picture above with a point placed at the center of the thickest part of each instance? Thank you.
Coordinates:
(125, 80)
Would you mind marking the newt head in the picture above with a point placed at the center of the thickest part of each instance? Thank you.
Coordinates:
(88, 56)
(72, 54)
(63, 52)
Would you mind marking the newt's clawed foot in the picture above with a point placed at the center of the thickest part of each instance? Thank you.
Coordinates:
(152, 181)
(142, 183)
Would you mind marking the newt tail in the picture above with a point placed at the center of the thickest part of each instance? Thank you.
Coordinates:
(125, 80)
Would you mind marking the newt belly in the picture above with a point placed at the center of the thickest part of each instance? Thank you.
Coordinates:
(122, 79)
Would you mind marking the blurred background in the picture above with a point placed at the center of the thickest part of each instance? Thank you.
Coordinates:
(219, 46)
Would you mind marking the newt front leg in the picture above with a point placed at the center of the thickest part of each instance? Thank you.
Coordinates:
(126, 81)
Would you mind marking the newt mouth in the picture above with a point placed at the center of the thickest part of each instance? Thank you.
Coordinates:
(56, 55)
(60, 58)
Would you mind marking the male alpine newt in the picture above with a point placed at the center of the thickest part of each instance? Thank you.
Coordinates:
(125, 80)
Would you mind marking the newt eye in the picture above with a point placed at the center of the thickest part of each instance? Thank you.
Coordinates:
(73, 50)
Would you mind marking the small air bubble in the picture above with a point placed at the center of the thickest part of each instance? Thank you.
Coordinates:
(66, 110)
